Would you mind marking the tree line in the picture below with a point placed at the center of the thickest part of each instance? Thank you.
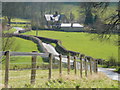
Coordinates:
(36, 11)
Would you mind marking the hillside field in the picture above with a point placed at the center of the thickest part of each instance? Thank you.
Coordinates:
(83, 43)
(75, 41)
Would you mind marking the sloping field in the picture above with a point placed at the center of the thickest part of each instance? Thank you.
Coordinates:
(81, 42)
(22, 45)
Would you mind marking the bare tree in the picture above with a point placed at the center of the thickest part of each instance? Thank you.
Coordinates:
(99, 24)
(8, 43)
(9, 11)
(87, 7)
(112, 27)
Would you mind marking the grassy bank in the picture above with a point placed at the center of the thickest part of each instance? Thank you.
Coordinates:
(21, 79)
(22, 45)
(25, 45)
(75, 41)
(81, 42)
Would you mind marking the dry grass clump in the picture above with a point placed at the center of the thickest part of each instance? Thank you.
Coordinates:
(97, 76)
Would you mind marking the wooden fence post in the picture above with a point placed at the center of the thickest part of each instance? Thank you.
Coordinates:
(7, 53)
(60, 70)
(33, 70)
(77, 87)
(96, 65)
(81, 56)
(90, 65)
(50, 65)
(86, 67)
(75, 65)
(101, 63)
(68, 57)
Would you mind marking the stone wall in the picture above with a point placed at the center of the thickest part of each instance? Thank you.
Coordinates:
(59, 48)
(38, 40)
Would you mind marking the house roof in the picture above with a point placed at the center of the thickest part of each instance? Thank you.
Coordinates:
(70, 25)
(50, 17)
(65, 24)
(77, 25)
(47, 16)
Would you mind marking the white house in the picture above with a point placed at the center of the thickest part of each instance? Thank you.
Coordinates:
(50, 17)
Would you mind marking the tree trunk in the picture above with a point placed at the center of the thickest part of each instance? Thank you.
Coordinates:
(9, 20)
(88, 18)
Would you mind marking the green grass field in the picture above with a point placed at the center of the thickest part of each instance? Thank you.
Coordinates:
(21, 79)
(75, 41)
(20, 20)
(12, 30)
(25, 45)
(22, 45)
(81, 42)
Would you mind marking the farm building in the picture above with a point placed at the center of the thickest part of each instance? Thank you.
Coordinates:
(59, 21)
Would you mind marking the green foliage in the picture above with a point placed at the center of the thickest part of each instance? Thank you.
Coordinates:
(88, 18)
(19, 25)
(111, 10)
(112, 60)
(118, 69)
(19, 20)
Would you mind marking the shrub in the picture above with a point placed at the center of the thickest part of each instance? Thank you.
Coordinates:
(112, 61)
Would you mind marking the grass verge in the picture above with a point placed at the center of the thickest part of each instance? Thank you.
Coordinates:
(21, 79)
